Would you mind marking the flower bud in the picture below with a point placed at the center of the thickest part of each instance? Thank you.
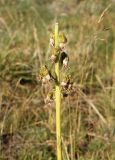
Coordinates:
(52, 40)
(62, 40)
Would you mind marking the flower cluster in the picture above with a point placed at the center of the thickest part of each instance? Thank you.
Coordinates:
(44, 74)
(56, 51)
(57, 54)
(62, 40)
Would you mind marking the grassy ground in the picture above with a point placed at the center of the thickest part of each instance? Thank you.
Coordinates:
(27, 124)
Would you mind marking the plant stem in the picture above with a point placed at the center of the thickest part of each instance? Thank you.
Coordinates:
(58, 99)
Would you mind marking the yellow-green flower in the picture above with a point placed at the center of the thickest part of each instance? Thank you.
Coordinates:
(66, 82)
(62, 40)
(45, 74)
(64, 59)
(55, 53)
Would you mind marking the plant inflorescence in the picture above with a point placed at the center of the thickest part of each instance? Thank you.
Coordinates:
(62, 82)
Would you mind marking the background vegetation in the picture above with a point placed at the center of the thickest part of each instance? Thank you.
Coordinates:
(27, 124)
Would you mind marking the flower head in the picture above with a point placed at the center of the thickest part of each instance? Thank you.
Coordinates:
(66, 83)
(62, 40)
(64, 59)
(55, 53)
(45, 75)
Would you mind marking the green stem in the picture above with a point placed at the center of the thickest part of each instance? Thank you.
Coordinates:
(58, 99)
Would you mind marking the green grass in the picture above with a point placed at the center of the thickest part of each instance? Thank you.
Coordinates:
(27, 125)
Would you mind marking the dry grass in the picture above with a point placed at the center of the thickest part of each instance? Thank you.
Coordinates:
(27, 125)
